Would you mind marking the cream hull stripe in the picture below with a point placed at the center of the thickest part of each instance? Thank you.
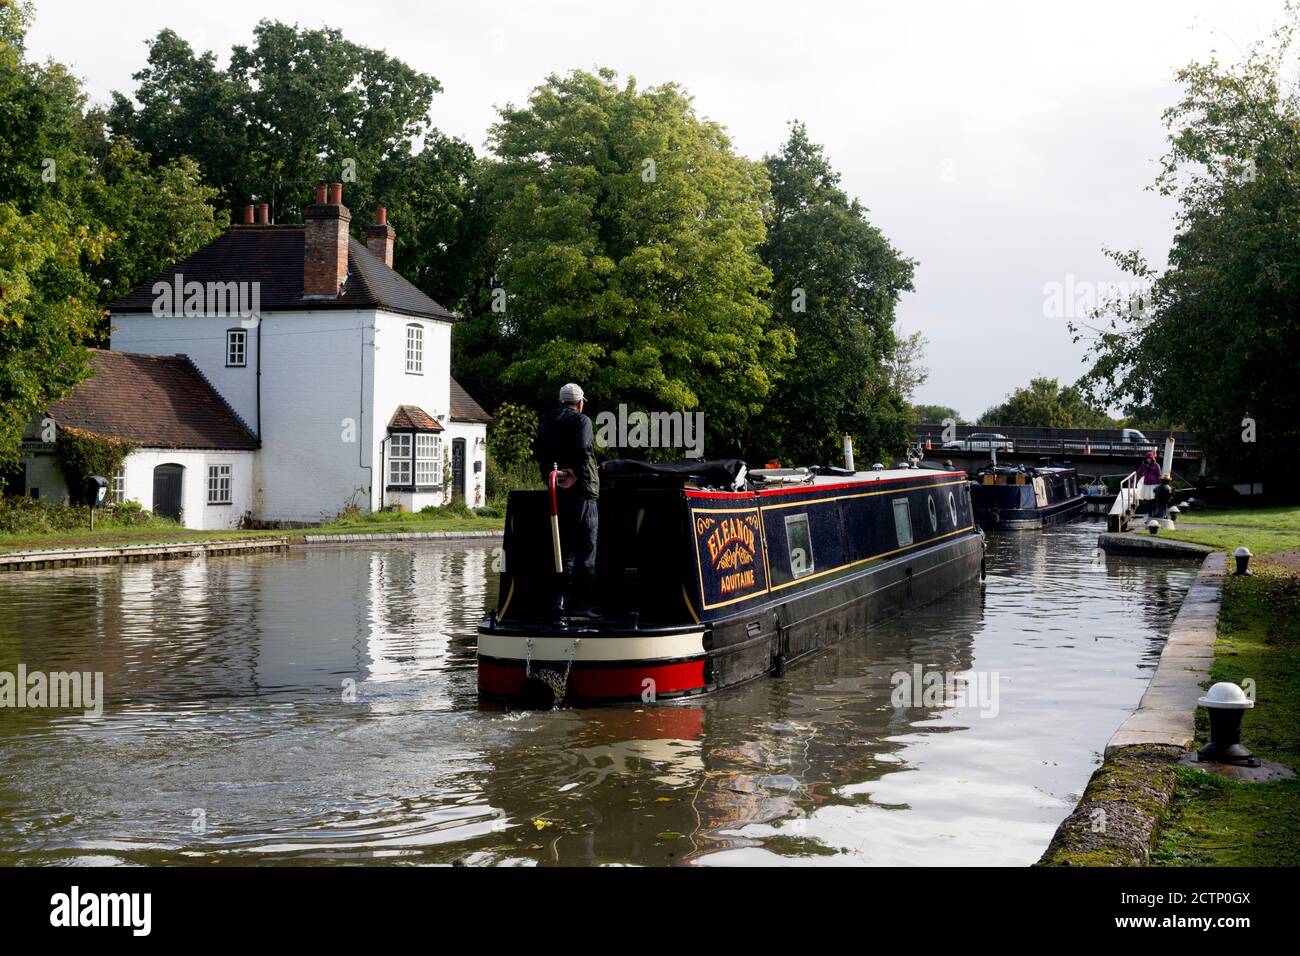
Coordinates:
(593, 647)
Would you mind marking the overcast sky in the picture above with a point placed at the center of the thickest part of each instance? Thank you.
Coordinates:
(1000, 145)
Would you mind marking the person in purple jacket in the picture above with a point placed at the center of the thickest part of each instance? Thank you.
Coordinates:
(1148, 476)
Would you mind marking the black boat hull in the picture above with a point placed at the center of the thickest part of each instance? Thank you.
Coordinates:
(1028, 519)
(660, 664)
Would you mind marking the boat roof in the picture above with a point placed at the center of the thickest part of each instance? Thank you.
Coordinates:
(837, 482)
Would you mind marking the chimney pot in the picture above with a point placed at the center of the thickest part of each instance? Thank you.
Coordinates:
(336, 194)
(248, 215)
(263, 214)
(380, 236)
(321, 194)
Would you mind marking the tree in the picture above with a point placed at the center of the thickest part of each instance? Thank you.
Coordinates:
(296, 107)
(935, 414)
(154, 216)
(1045, 404)
(299, 106)
(47, 311)
(1216, 342)
(836, 283)
(627, 230)
(81, 220)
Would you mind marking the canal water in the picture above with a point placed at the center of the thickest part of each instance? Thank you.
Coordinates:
(320, 707)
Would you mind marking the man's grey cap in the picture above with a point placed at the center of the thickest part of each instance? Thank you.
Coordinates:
(571, 394)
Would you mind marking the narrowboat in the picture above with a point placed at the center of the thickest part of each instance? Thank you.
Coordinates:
(709, 576)
(1017, 497)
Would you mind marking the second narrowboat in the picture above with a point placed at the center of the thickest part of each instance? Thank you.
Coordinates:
(1019, 497)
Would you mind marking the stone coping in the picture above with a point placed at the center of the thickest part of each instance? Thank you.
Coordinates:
(1166, 714)
(1144, 545)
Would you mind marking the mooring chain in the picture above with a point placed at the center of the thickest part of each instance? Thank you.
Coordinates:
(557, 683)
(528, 660)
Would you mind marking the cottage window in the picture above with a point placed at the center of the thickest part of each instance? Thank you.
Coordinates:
(903, 521)
(798, 540)
(236, 348)
(415, 349)
(399, 458)
(428, 460)
(118, 490)
(219, 484)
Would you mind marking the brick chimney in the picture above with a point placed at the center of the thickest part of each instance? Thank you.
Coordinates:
(325, 244)
(379, 237)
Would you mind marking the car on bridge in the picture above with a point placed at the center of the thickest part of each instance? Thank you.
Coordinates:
(981, 441)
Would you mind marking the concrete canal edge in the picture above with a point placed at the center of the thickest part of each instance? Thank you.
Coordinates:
(315, 539)
(1119, 815)
(1142, 545)
(128, 553)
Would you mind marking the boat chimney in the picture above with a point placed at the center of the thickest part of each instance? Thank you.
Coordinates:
(848, 453)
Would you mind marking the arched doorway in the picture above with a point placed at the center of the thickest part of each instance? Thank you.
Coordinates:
(167, 481)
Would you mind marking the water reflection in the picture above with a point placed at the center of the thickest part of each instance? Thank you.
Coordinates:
(321, 707)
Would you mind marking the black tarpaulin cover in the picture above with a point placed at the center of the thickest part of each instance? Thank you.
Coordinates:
(728, 473)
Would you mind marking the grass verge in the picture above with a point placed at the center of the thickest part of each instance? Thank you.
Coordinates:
(1218, 822)
(167, 532)
(1262, 530)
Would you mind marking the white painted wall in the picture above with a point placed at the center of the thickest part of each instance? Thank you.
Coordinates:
(195, 510)
(317, 414)
(394, 386)
(43, 473)
(204, 341)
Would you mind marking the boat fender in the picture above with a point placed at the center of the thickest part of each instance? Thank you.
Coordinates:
(779, 669)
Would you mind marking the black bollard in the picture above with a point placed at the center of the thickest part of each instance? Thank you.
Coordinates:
(1226, 704)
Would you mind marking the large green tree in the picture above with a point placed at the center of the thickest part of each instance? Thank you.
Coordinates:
(298, 106)
(627, 231)
(82, 219)
(1044, 403)
(1215, 342)
(836, 283)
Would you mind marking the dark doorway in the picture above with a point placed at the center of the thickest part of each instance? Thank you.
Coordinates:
(167, 491)
(458, 468)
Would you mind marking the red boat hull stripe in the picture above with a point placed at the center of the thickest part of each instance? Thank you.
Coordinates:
(606, 682)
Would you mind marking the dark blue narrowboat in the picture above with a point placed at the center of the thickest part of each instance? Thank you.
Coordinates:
(1019, 497)
(709, 576)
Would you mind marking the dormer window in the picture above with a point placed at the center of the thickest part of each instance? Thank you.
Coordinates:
(414, 349)
(236, 348)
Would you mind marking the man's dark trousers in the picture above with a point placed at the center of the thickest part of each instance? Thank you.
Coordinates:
(578, 527)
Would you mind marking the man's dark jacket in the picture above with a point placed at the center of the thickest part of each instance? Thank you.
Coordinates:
(565, 439)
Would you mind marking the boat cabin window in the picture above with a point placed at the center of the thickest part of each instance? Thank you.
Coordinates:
(799, 543)
(903, 522)
(934, 516)
(952, 508)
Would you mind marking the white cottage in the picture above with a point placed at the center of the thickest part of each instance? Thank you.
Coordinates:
(337, 366)
(192, 457)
